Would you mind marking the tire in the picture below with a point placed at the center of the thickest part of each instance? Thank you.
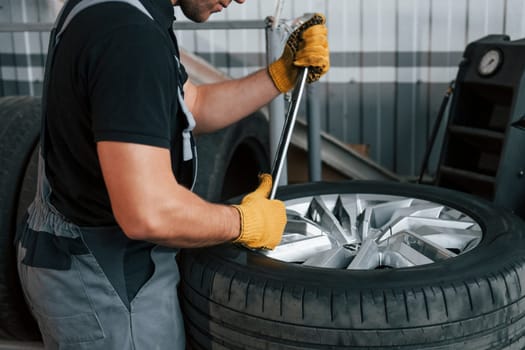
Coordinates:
(231, 159)
(19, 133)
(235, 298)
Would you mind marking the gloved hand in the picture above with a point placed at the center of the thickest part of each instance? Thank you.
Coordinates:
(262, 220)
(307, 46)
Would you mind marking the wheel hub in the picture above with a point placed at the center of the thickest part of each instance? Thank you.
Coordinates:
(373, 231)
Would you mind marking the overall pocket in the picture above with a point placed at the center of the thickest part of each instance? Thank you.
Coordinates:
(59, 302)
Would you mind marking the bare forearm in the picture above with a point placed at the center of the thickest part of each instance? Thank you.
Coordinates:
(221, 104)
(150, 205)
(186, 221)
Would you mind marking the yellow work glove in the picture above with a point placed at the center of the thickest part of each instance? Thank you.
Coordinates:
(262, 219)
(307, 46)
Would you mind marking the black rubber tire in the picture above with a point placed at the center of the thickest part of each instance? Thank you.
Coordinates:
(19, 133)
(231, 159)
(234, 298)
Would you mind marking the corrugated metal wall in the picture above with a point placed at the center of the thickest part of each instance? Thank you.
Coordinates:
(391, 60)
(22, 55)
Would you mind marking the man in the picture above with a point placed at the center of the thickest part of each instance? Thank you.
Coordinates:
(97, 255)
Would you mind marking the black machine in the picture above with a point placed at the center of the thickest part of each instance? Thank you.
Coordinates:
(484, 146)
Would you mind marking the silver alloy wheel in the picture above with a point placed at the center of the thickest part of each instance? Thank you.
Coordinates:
(373, 231)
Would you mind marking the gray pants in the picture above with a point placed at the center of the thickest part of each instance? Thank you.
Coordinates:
(74, 302)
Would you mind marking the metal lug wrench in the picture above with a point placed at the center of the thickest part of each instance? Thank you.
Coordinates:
(286, 134)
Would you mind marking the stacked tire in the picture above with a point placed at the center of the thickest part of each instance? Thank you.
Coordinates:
(19, 134)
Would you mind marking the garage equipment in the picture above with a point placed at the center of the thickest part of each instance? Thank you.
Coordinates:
(484, 140)
(286, 134)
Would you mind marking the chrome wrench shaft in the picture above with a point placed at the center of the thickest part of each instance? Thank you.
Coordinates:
(286, 134)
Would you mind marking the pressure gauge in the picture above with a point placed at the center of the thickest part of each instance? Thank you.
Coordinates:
(490, 62)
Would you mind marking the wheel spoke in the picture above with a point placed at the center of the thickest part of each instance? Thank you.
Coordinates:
(424, 210)
(433, 252)
(412, 223)
(298, 248)
(346, 212)
(378, 215)
(336, 258)
(404, 256)
(318, 212)
(367, 258)
(450, 238)
(303, 226)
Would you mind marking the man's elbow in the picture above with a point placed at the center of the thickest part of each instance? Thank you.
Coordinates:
(140, 227)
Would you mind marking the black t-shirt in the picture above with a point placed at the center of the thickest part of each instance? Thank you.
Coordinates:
(114, 78)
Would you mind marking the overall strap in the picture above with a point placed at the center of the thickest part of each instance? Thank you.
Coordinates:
(84, 4)
(188, 147)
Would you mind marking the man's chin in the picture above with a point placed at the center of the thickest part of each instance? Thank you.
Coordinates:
(199, 19)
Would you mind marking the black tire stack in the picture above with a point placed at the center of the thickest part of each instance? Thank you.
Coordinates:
(19, 133)
(231, 159)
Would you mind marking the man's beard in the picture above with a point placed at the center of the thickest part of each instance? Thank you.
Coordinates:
(194, 12)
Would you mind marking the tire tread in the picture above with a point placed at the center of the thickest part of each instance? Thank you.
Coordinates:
(19, 133)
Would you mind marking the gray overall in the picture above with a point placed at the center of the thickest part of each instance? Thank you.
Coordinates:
(75, 298)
